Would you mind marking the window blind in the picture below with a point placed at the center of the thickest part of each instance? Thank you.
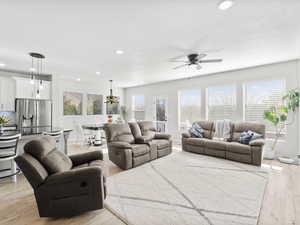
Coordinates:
(221, 103)
(260, 96)
(138, 107)
(189, 107)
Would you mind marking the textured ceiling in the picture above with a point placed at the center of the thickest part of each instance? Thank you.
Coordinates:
(80, 37)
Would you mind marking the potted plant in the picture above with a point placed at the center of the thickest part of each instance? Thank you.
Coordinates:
(281, 116)
(3, 120)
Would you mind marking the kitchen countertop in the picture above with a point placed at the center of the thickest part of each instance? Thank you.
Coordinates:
(10, 133)
(34, 131)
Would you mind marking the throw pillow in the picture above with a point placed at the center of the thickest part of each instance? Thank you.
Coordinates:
(245, 138)
(196, 131)
(254, 135)
(248, 136)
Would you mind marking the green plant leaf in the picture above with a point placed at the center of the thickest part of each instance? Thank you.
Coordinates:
(283, 117)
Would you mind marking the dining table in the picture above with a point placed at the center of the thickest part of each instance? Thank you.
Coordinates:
(96, 129)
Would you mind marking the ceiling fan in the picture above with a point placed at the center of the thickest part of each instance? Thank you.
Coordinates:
(194, 59)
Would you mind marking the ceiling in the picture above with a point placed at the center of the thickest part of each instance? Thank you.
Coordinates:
(80, 37)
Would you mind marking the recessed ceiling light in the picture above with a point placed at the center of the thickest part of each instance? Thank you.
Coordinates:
(98, 73)
(32, 69)
(226, 4)
(78, 79)
(2, 64)
(119, 52)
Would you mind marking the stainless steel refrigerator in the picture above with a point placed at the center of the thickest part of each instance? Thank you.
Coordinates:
(33, 115)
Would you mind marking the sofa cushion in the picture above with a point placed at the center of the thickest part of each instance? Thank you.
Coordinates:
(147, 128)
(216, 145)
(118, 132)
(161, 143)
(57, 162)
(135, 129)
(196, 141)
(139, 149)
(44, 150)
(238, 148)
(97, 163)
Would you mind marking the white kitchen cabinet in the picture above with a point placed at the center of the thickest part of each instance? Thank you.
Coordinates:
(7, 94)
(24, 89)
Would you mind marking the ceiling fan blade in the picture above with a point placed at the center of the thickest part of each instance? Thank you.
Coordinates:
(183, 61)
(178, 58)
(210, 61)
(177, 67)
(201, 55)
(198, 67)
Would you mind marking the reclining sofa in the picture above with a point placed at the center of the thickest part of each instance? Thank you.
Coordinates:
(132, 144)
(230, 149)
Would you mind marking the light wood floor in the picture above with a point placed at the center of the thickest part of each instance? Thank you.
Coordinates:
(281, 205)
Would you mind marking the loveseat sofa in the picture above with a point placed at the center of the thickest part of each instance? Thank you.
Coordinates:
(230, 149)
(132, 144)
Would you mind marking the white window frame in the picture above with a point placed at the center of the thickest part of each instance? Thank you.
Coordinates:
(220, 86)
(269, 134)
(133, 106)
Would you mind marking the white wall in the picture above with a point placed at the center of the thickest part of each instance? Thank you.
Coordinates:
(59, 86)
(287, 70)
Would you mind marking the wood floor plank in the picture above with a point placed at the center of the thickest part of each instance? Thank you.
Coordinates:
(281, 203)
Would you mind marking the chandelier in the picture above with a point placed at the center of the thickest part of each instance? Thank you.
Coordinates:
(36, 70)
(111, 99)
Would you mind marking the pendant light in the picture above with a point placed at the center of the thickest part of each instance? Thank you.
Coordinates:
(111, 99)
(36, 72)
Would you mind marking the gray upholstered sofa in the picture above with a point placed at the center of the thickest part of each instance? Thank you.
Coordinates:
(63, 186)
(230, 149)
(130, 145)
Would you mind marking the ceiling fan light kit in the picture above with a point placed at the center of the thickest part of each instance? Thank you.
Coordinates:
(195, 59)
(226, 4)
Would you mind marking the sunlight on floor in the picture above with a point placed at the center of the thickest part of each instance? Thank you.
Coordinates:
(272, 167)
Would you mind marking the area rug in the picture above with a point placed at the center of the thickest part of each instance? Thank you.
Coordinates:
(188, 189)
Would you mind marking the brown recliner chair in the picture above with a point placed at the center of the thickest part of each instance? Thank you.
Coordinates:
(63, 186)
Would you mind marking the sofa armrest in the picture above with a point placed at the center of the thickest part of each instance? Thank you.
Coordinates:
(257, 142)
(119, 144)
(86, 157)
(75, 176)
(185, 135)
(143, 139)
(162, 136)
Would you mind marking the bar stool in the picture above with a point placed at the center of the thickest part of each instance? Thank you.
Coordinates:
(8, 151)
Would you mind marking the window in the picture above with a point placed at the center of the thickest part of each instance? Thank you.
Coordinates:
(161, 113)
(260, 96)
(221, 103)
(138, 107)
(189, 107)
